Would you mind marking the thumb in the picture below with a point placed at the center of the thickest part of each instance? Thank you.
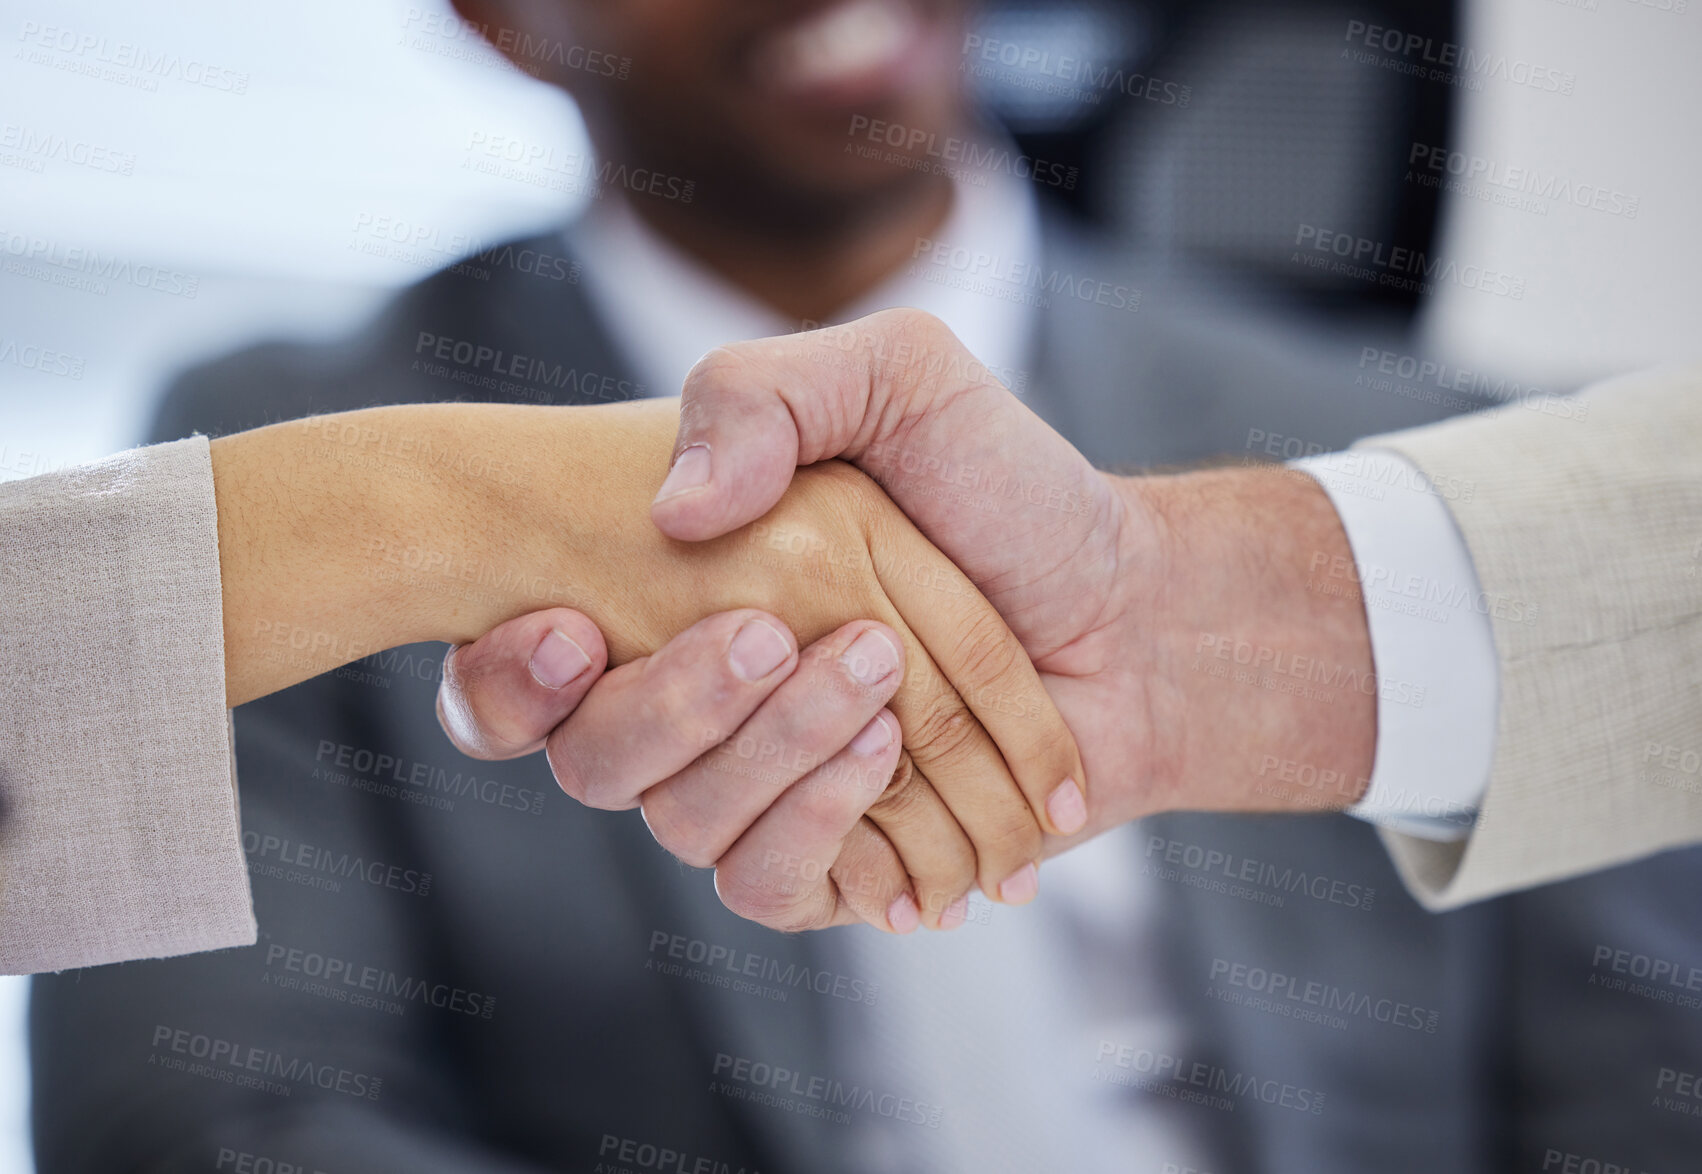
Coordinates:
(737, 447)
(752, 412)
(502, 694)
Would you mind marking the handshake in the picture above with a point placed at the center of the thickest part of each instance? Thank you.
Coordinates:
(882, 635)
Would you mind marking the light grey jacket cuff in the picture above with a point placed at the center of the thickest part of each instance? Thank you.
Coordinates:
(120, 836)
(1581, 516)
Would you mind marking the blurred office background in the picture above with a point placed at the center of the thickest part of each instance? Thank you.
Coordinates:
(338, 173)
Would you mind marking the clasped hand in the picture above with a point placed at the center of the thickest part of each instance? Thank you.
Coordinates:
(1055, 629)
(818, 704)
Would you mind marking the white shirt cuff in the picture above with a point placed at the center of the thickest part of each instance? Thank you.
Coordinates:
(1430, 635)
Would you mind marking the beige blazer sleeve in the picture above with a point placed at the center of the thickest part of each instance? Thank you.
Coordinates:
(1589, 514)
(119, 832)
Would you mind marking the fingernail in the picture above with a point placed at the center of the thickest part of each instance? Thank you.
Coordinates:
(1021, 886)
(870, 659)
(1067, 808)
(903, 915)
(557, 660)
(872, 738)
(757, 651)
(956, 913)
(691, 471)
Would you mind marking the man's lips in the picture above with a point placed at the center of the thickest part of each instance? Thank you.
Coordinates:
(848, 52)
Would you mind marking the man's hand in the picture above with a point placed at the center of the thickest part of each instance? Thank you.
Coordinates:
(1176, 620)
(776, 808)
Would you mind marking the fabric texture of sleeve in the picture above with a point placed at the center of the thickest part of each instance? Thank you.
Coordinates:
(1583, 516)
(120, 836)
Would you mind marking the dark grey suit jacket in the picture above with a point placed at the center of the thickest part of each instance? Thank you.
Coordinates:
(460, 970)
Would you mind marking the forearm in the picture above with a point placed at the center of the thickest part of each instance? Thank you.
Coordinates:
(343, 535)
(1264, 695)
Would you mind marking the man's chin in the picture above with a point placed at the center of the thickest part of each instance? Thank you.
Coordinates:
(824, 197)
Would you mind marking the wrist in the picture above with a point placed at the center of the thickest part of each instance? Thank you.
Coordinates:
(444, 490)
(344, 535)
(1258, 674)
(307, 512)
(527, 508)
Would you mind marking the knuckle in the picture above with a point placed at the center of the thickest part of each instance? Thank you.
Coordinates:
(867, 872)
(679, 710)
(473, 672)
(986, 651)
(815, 913)
(714, 369)
(790, 735)
(869, 883)
(779, 907)
(918, 325)
(752, 901)
(859, 494)
(904, 792)
(686, 838)
(795, 738)
(464, 709)
(926, 335)
(819, 809)
(814, 536)
(570, 772)
(666, 700)
(1014, 839)
(1054, 745)
(944, 731)
(950, 862)
(838, 489)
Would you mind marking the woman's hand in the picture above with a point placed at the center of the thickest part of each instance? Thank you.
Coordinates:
(440, 521)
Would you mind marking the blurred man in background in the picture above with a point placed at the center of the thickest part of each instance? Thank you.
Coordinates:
(562, 995)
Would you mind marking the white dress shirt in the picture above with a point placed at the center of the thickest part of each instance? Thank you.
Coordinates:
(1431, 643)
